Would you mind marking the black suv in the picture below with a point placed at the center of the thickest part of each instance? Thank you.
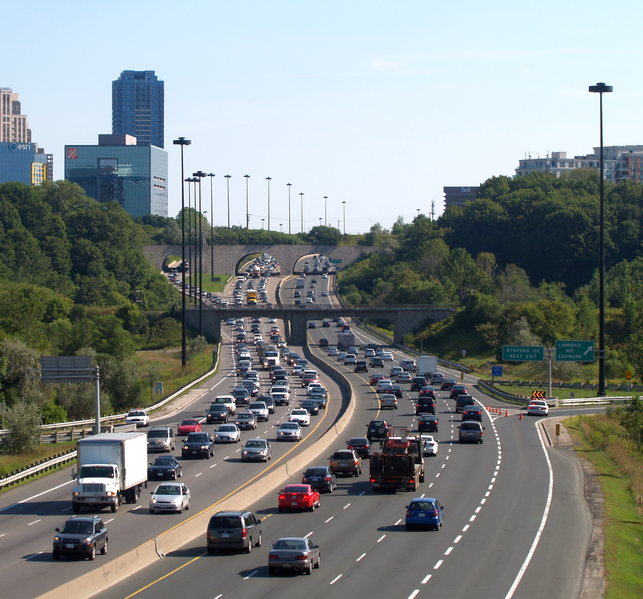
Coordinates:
(472, 413)
(462, 402)
(81, 535)
(198, 445)
(233, 530)
(377, 429)
(457, 390)
(428, 423)
(361, 366)
(217, 413)
(425, 405)
(418, 382)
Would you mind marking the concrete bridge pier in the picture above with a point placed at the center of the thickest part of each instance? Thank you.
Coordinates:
(298, 328)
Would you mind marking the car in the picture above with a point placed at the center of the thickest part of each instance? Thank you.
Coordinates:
(198, 445)
(298, 497)
(427, 391)
(289, 431)
(408, 365)
(299, 415)
(457, 390)
(216, 413)
(361, 366)
(425, 512)
(538, 407)
(137, 417)
(269, 401)
(227, 433)
(163, 467)
(472, 413)
(311, 406)
(447, 384)
(189, 425)
(425, 405)
(320, 398)
(345, 461)
(233, 530)
(323, 342)
(280, 398)
(312, 324)
(405, 378)
(309, 300)
(428, 423)
(418, 382)
(256, 450)
(252, 387)
(350, 359)
(332, 351)
(227, 401)
(325, 322)
(376, 377)
(161, 438)
(241, 396)
(81, 536)
(272, 320)
(387, 356)
(471, 432)
(315, 388)
(377, 429)
(383, 385)
(462, 402)
(437, 378)
(388, 401)
(319, 478)
(377, 362)
(294, 554)
(396, 390)
(260, 410)
(309, 376)
(429, 445)
(170, 497)
(394, 372)
(360, 445)
(246, 421)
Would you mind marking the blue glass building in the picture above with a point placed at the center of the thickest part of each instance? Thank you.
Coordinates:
(118, 170)
(25, 163)
(138, 107)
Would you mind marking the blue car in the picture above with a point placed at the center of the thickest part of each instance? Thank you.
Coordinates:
(424, 512)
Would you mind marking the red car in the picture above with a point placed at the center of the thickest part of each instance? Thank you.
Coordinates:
(189, 425)
(298, 497)
(377, 376)
(309, 378)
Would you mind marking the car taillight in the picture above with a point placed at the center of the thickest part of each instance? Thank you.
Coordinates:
(328, 478)
(208, 534)
(301, 557)
(435, 513)
(355, 462)
(273, 556)
(408, 512)
(244, 533)
(282, 497)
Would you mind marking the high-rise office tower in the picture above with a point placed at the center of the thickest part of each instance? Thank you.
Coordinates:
(15, 126)
(138, 107)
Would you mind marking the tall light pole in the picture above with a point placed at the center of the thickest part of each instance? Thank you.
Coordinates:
(227, 180)
(181, 141)
(301, 196)
(200, 175)
(289, 229)
(268, 179)
(247, 177)
(344, 207)
(190, 265)
(325, 211)
(600, 89)
(195, 271)
(211, 175)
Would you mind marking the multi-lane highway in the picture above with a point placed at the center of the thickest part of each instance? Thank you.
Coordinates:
(515, 522)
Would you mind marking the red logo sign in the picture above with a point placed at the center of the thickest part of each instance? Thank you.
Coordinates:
(72, 153)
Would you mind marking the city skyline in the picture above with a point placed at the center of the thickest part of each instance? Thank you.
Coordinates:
(369, 103)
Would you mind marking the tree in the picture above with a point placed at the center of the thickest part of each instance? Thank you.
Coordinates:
(23, 421)
(322, 235)
(120, 378)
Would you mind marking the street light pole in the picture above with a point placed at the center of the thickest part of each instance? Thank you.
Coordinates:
(246, 177)
(268, 179)
(211, 175)
(600, 89)
(301, 196)
(181, 141)
(200, 175)
(188, 181)
(344, 207)
(325, 211)
(227, 179)
(289, 229)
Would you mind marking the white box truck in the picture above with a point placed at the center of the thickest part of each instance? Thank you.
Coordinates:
(426, 366)
(300, 283)
(112, 468)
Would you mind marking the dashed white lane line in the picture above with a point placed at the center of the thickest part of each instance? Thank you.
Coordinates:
(8, 507)
(483, 501)
(443, 465)
(430, 485)
(336, 579)
(34, 555)
(400, 520)
(197, 475)
(310, 533)
(413, 595)
(465, 528)
(329, 519)
(438, 474)
(2, 535)
(438, 564)
(346, 506)
(250, 575)
(449, 550)
(213, 465)
(426, 578)
(67, 509)
(138, 507)
(360, 557)
(363, 492)
(457, 539)
(381, 538)
(472, 518)
(108, 521)
(34, 522)
(218, 596)
(477, 510)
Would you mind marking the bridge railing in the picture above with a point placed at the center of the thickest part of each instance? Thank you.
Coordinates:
(314, 306)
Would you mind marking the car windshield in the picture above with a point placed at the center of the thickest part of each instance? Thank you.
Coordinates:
(299, 412)
(343, 455)
(428, 418)
(164, 461)
(227, 428)
(137, 413)
(316, 472)
(356, 441)
(296, 489)
(290, 545)
(197, 438)
(245, 417)
(189, 423)
(168, 490)
(97, 472)
(255, 443)
(156, 434)
(74, 527)
(470, 426)
(225, 522)
(290, 425)
(422, 505)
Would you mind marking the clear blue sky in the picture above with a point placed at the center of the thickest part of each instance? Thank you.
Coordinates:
(378, 104)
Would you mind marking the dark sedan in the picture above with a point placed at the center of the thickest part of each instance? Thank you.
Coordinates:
(428, 423)
(198, 445)
(311, 406)
(320, 478)
(360, 445)
(217, 413)
(246, 421)
(447, 384)
(163, 467)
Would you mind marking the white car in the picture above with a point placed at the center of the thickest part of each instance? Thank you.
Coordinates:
(387, 355)
(138, 417)
(405, 377)
(332, 351)
(350, 359)
(289, 431)
(408, 365)
(300, 416)
(227, 433)
(270, 320)
(538, 407)
(260, 410)
(369, 352)
(324, 293)
(388, 401)
(395, 372)
(170, 497)
(429, 445)
(383, 385)
(280, 398)
(340, 356)
(315, 387)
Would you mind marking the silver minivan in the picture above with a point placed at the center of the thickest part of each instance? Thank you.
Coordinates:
(161, 438)
(471, 431)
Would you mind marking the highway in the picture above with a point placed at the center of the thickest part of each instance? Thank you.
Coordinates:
(515, 523)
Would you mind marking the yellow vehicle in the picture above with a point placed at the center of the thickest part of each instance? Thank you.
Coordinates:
(252, 297)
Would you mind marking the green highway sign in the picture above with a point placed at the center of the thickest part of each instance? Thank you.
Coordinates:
(523, 353)
(575, 351)
(336, 261)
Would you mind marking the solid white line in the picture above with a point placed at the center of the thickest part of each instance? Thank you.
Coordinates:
(438, 564)
(426, 579)
(381, 538)
(35, 496)
(532, 550)
(34, 522)
(329, 519)
(34, 555)
(457, 539)
(449, 550)
(346, 505)
(251, 574)
(335, 579)
(414, 594)
(360, 557)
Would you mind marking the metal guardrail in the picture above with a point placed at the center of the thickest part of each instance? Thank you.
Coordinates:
(591, 401)
(38, 468)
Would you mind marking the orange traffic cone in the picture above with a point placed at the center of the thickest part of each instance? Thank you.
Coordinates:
(506, 413)
(521, 418)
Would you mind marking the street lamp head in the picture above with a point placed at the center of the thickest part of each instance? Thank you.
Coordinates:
(288, 184)
(601, 88)
(227, 176)
(181, 141)
(211, 175)
(199, 174)
(247, 176)
(269, 178)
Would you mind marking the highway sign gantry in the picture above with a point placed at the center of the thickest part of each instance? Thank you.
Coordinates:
(523, 353)
(574, 351)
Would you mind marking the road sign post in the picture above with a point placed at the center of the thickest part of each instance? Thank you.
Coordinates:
(574, 351)
(523, 353)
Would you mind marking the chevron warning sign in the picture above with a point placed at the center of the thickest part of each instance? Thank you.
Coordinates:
(537, 395)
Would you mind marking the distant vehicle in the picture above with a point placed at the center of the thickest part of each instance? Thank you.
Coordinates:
(320, 478)
(425, 512)
(408, 365)
(361, 366)
(311, 406)
(426, 365)
(457, 390)
(346, 461)
(447, 384)
(388, 401)
(298, 497)
(233, 530)
(462, 402)
(294, 553)
(289, 431)
(260, 410)
(81, 536)
(429, 445)
(360, 445)
(227, 433)
(163, 467)
(471, 432)
(170, 497)
(198, 445)
(418, 382)
(387, 356)
(428, 423)
(538, 407)
(300, 416)
(137, 417)
(246, 421)
(377, 429)
(256, 450)
(400, 462)
(473, 412)
(187, 426)
(161, 438)
(437, 379)
(216, 413)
